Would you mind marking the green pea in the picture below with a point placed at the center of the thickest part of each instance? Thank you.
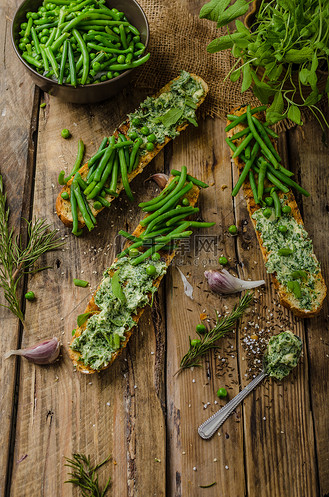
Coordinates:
(65, 133)
(109, 75)
(134, 252)
(25, 40)
(103, 77)
(136, 121)
(150, 270)
(223, 260)
(24, 25)
(97, 67)
(22, 46)
(121, 59)
(195, 342)
(200, 328)
(30, 296)
(185, 202)
(44, 39)
(286, 209)
(144, 130)
(97, 206)
(267, 212)
(283, 229)
(178, 206)
(156, 257)
(269, 201)
(149, 146)
(221, 393)
(233, 229)
(151, 138)
(43, 105)
(45, 32)
(35, 15)
(65, 195)
(133, 135)
(116, 74)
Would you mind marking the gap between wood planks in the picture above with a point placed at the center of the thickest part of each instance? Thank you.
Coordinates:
(27, 209)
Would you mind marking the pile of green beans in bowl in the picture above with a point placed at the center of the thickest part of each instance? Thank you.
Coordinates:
(80, 42)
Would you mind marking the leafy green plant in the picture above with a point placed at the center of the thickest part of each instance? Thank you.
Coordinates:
(282, 54)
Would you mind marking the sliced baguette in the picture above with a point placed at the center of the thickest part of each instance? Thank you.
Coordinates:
(63, 207)
(192, 195)
(287, 298)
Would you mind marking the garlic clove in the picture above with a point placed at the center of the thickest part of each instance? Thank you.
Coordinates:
(45, 352)
(223, 282)
(188, 288)
(160, 179)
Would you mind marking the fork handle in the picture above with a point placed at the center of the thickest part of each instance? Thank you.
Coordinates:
(211, 425)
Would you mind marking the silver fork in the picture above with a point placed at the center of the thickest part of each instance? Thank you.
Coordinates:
(211, 425)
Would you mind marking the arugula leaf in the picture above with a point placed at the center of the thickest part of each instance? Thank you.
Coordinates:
(239, 8)
(287, 5)
(234, 76)
(192, 121)
(247, 78)
(116, 287)
(294, 114)
(213, 9)
(172, 116)
(82, 318)
(190, 102)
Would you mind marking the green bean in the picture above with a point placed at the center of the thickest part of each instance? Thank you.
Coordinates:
(123, 36)
(103, 201)
(92, 162)
(154, 234)
(80, 181)
(85, 55)
(82, 206)
(78, 160)
(52, 60)
(125, 141)
(135, 63)
(106, 173)
(171, 237)
(72, 66)
(85, 16)
(28, 27)
(277, 203)
(59, 42)
(61, 178)
(189, 178)
(163, 216)
(63, 62)
(91, 215)
(175, 219)
(124, 173)
(200, 224)
(114, 178)
(246, 169)
(168, 188)
(257, 137)
(133, 30)
(243, 117)
(273, 179)
(103, 22)
(270, 131)
(265, 137)
(253, 186)
(44, 59)
(134, 152)
(288, 181)
(104, 160)
(130, 237)
(80, 283)
(247, 152)
(36, 40)
(137, 244)
(47, 26)
(80, 5)
(261, 178)
(241, 133)
(164, 201)
(243, 145)
(74, 210)
(30, 60)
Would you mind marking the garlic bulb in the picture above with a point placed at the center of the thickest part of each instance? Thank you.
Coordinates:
(223, 282)
(42, 353)
(161, 179)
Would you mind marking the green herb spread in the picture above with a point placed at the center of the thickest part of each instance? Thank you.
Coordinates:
(297, 270)
(282, 355)
(119, 297)
(162, 115)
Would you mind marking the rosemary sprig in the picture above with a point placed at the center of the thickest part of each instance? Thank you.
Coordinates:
(208, 341)
(83, 475)
(15, 259)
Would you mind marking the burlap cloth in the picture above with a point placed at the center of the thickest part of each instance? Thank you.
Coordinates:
(178, 40)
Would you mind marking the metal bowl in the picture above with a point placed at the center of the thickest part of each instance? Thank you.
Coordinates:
(83, 94)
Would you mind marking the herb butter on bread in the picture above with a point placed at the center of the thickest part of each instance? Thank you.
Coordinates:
(286, 247)
(157, 121)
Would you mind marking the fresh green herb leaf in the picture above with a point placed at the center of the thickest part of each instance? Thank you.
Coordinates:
(82, 318)
(247, 78)
(84, 476)
(213, 9)
(190, 103)
(117, 288)
(192, 121)
(172, 116)
(235, 75)
(298, 56)
(239, 8)
(294, 114)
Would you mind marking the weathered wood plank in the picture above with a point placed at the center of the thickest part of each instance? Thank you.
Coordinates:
(17, 126)
(193, 461)
(278, 425)
(309, 152)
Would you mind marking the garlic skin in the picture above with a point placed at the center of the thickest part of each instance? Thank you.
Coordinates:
(188, 288)
(45, 352)
(223, 282)
(160, 179)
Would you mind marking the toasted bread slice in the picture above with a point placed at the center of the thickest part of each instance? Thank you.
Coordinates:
(192, 195)
(287, 298)
(63, 207)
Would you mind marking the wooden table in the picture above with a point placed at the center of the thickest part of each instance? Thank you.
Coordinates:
(276, 443)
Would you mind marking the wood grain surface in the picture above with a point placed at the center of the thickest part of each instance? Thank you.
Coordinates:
(139, 412)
